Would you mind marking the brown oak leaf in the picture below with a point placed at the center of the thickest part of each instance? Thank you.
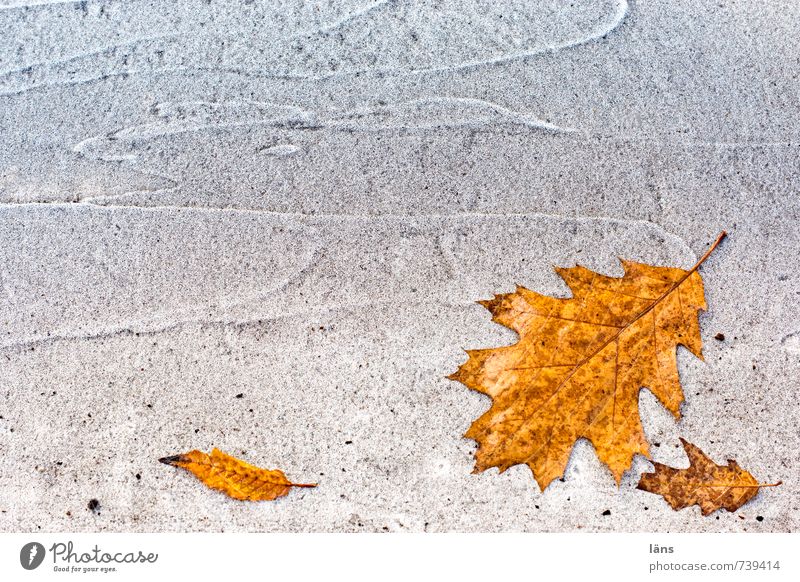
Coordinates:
(234, 477)
(579, 364)
(704, 483)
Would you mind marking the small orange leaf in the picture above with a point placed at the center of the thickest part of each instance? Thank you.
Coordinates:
(704, 483)
(233, 477)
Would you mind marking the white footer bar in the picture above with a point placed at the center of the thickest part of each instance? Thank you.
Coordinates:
(290, 557)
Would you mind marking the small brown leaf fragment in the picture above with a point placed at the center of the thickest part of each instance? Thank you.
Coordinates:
(704, 483)
(235, 478)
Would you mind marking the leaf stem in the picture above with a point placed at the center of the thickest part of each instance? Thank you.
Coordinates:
(710, 250)
(736, 486)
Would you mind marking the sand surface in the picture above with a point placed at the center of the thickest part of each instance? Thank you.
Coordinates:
(262, 226)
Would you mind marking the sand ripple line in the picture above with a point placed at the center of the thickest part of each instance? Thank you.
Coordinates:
(176, 119)
(353, 15)
(194, 116)
(336, 270)
(404, 42)
(621, 11)
(436, 113)
(18, 4)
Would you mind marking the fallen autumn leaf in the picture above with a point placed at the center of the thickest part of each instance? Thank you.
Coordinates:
(704, 483)
(235, 478)
(579, 364)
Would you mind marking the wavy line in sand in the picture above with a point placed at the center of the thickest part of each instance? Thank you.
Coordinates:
(621, 11)
(22, 4)
(194, 116)
(175, 319)
(198, 116)
(436, 113)
(39, 70)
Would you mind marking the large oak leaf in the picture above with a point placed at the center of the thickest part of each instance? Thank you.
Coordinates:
(579, 364)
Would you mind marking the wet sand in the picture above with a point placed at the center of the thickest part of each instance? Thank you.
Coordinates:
(300, 204)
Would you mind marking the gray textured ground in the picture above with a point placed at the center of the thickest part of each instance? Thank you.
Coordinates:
(299, 202)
